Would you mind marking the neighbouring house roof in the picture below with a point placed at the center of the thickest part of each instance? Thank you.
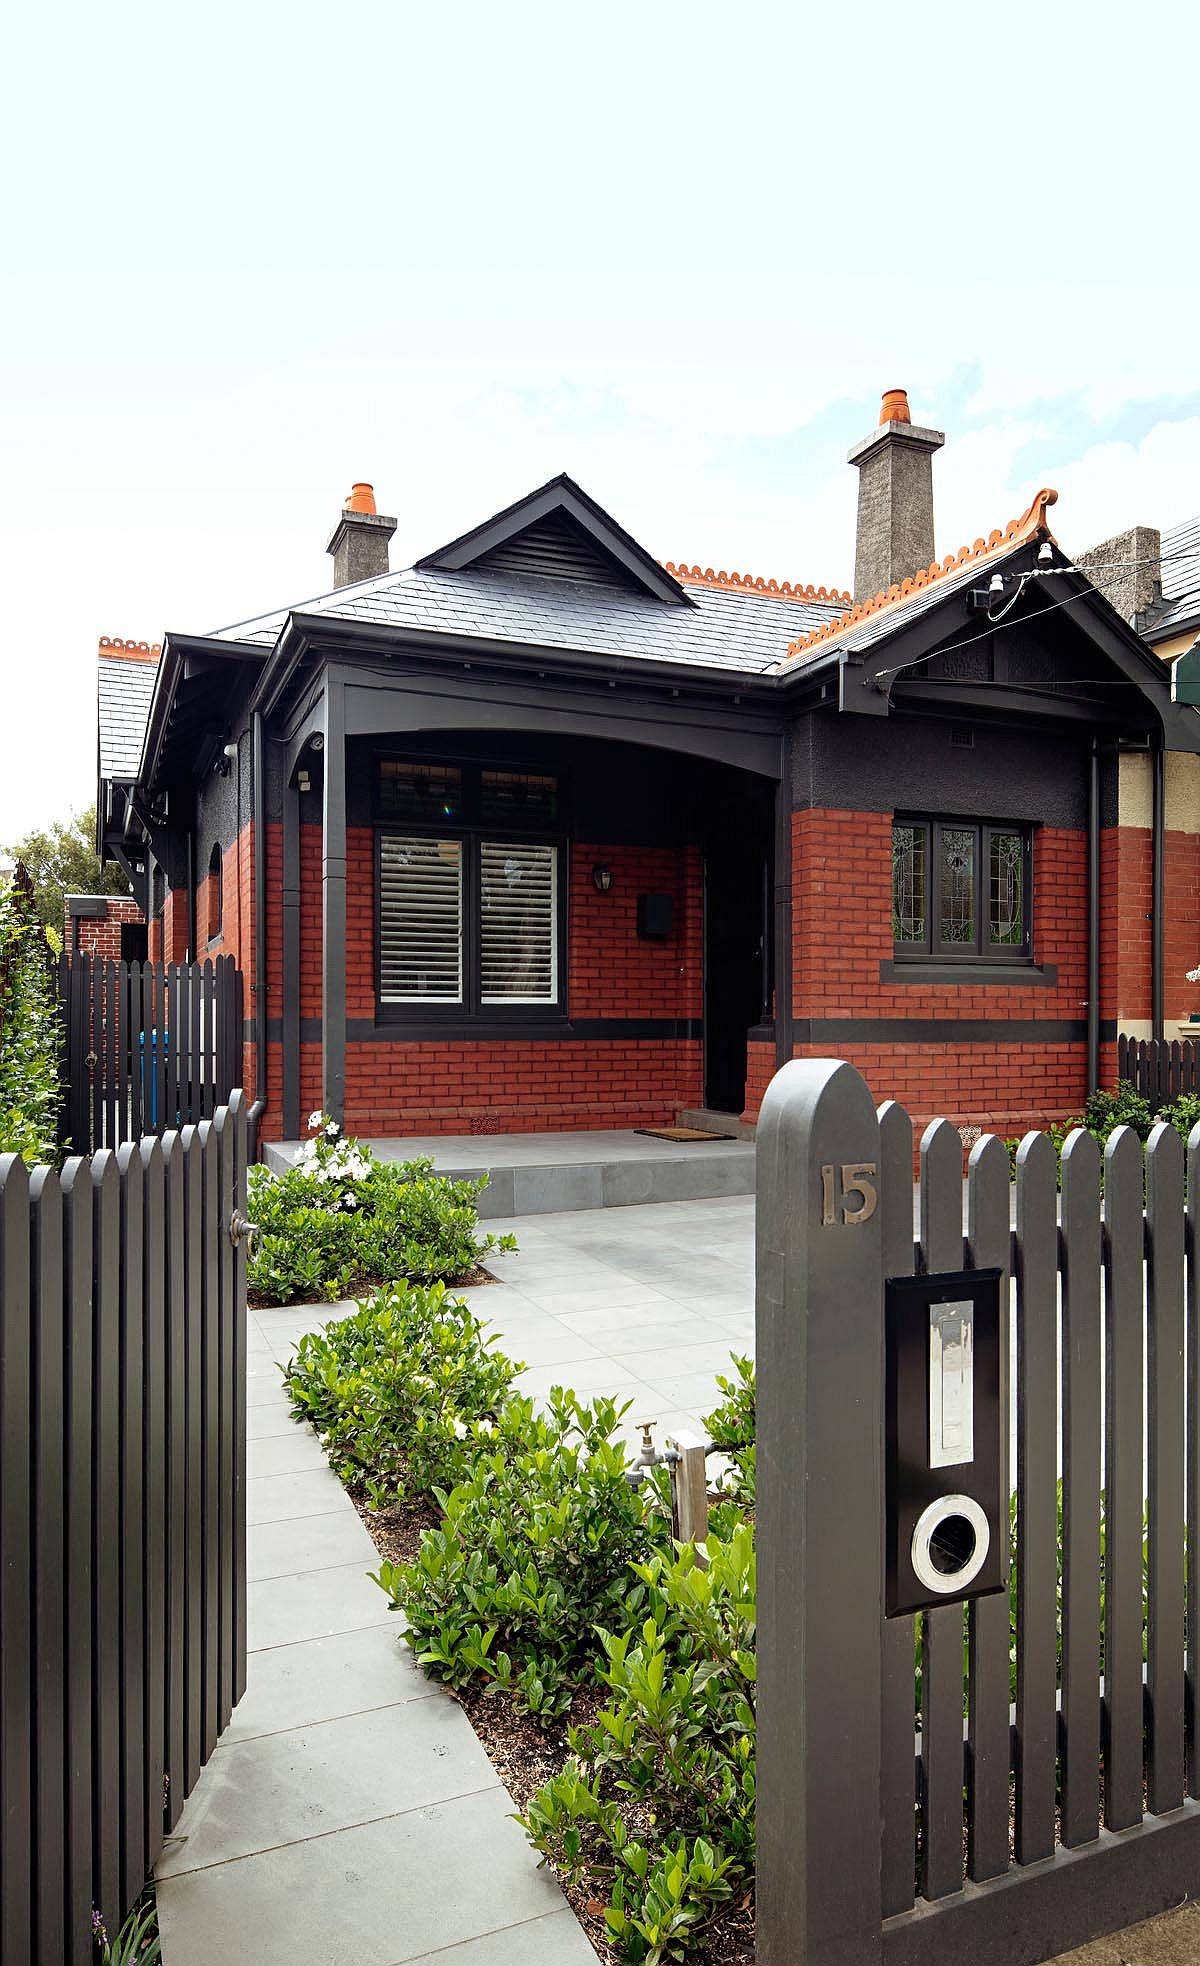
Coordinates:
(870, 620)
(125, 686)
(1179, 608)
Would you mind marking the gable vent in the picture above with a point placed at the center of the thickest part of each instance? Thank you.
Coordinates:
(555, 548)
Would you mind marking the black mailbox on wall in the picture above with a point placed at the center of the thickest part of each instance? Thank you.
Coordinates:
(947, 1506)
(655, 916)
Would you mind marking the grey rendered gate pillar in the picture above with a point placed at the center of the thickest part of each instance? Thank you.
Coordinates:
(820, 1397)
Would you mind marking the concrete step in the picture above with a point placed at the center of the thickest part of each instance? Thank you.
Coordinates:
(547, 1173)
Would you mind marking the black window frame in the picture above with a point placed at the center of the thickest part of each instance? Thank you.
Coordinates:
(471, 830)
(932, 950)
(214, 929)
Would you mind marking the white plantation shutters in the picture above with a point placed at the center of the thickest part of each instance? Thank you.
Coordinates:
(518, 922)
(420, 920)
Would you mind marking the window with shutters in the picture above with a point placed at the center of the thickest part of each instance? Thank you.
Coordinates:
(470, 912)
(961, 889)
(420, 920)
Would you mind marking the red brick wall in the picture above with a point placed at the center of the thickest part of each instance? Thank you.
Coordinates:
(760, 1070)
(100, 935)
(614, 973)
(843, 931)
(454, 1086)
(519, 1087)
(1126, 897)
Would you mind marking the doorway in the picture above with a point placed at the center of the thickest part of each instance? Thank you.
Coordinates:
(736, 960)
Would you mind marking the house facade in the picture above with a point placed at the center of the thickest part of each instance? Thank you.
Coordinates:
(1152, 579)
(542, 833)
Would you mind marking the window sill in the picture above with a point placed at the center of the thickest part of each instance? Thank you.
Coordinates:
(1029, 976)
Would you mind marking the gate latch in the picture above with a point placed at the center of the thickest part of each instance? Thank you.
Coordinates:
(240, 1230)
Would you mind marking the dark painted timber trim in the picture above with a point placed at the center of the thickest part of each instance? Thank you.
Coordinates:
(782, 871)
(940, 1030)
(333, 905)
(1035, 976)
(364, 1030)
(290, 1022)
(1059, 1903)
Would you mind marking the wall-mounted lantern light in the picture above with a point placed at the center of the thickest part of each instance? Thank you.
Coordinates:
(602, 877)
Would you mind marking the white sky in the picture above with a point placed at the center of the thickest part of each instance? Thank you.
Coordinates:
(256, 252)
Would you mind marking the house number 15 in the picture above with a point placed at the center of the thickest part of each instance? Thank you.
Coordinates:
(854, 1179)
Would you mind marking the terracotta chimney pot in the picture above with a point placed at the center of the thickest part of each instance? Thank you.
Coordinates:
(894, 408)
(362, 497)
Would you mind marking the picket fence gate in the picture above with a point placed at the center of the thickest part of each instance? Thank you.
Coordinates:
(148, 1046)
(122, 1516)
(1017, 1822)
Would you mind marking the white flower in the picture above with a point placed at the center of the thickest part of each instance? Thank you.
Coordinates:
(460, 1430)
(332, 1129)
(349, 1201)
(314, 1121)
(1193, 975)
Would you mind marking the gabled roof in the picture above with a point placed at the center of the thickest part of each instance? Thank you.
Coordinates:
(127, 672)
(868, 621)
(560, 532)
(745, 629)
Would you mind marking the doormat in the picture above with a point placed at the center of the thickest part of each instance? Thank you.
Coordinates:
(683, 1134)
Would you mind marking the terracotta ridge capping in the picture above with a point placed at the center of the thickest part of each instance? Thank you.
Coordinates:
(1031, 522)
(748, 583)
(115, 650)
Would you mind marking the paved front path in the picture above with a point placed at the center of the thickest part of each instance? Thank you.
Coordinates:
(349, 1816)
(644, 1303)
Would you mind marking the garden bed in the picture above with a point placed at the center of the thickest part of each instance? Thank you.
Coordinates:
(608, 1673)
(340, 1222)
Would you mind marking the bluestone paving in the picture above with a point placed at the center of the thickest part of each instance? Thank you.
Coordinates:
(276, 1498)
(315, 1679)
(381, 1894)
(347, 1781)
(538, 1942)
(313, 1603)
(321, 1542)
(282, 1788)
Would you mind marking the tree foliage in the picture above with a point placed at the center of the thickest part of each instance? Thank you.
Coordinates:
(62, 859)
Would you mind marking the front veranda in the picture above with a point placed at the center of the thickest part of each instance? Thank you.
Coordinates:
(543, 932)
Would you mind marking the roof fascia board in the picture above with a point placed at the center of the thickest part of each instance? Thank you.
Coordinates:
(336, 640)
(560, 494)
(180, 657)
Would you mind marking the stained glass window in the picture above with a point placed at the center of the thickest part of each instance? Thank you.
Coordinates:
(909, 861)
(960, 890)
(956, 895)
(1006, 891)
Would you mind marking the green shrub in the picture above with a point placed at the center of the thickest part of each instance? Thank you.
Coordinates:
(400, 1389)
(340, 1219)
(732, 1427)
(1105, 1111)
(677, 1739)
(30, 1032)
(532, 1554)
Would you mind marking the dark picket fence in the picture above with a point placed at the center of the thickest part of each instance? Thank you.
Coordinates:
(122, 1516)
(1041, 1785)
(149, 1046)
(1159, 1071)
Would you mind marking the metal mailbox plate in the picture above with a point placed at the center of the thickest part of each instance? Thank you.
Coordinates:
(946, 1421)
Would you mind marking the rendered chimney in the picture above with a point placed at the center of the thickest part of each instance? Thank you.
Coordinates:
(359, 541)
(1128, 571)
(895, 498)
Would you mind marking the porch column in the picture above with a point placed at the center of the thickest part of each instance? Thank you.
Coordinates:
(783, 906)
(291, 963)
(333, 905)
